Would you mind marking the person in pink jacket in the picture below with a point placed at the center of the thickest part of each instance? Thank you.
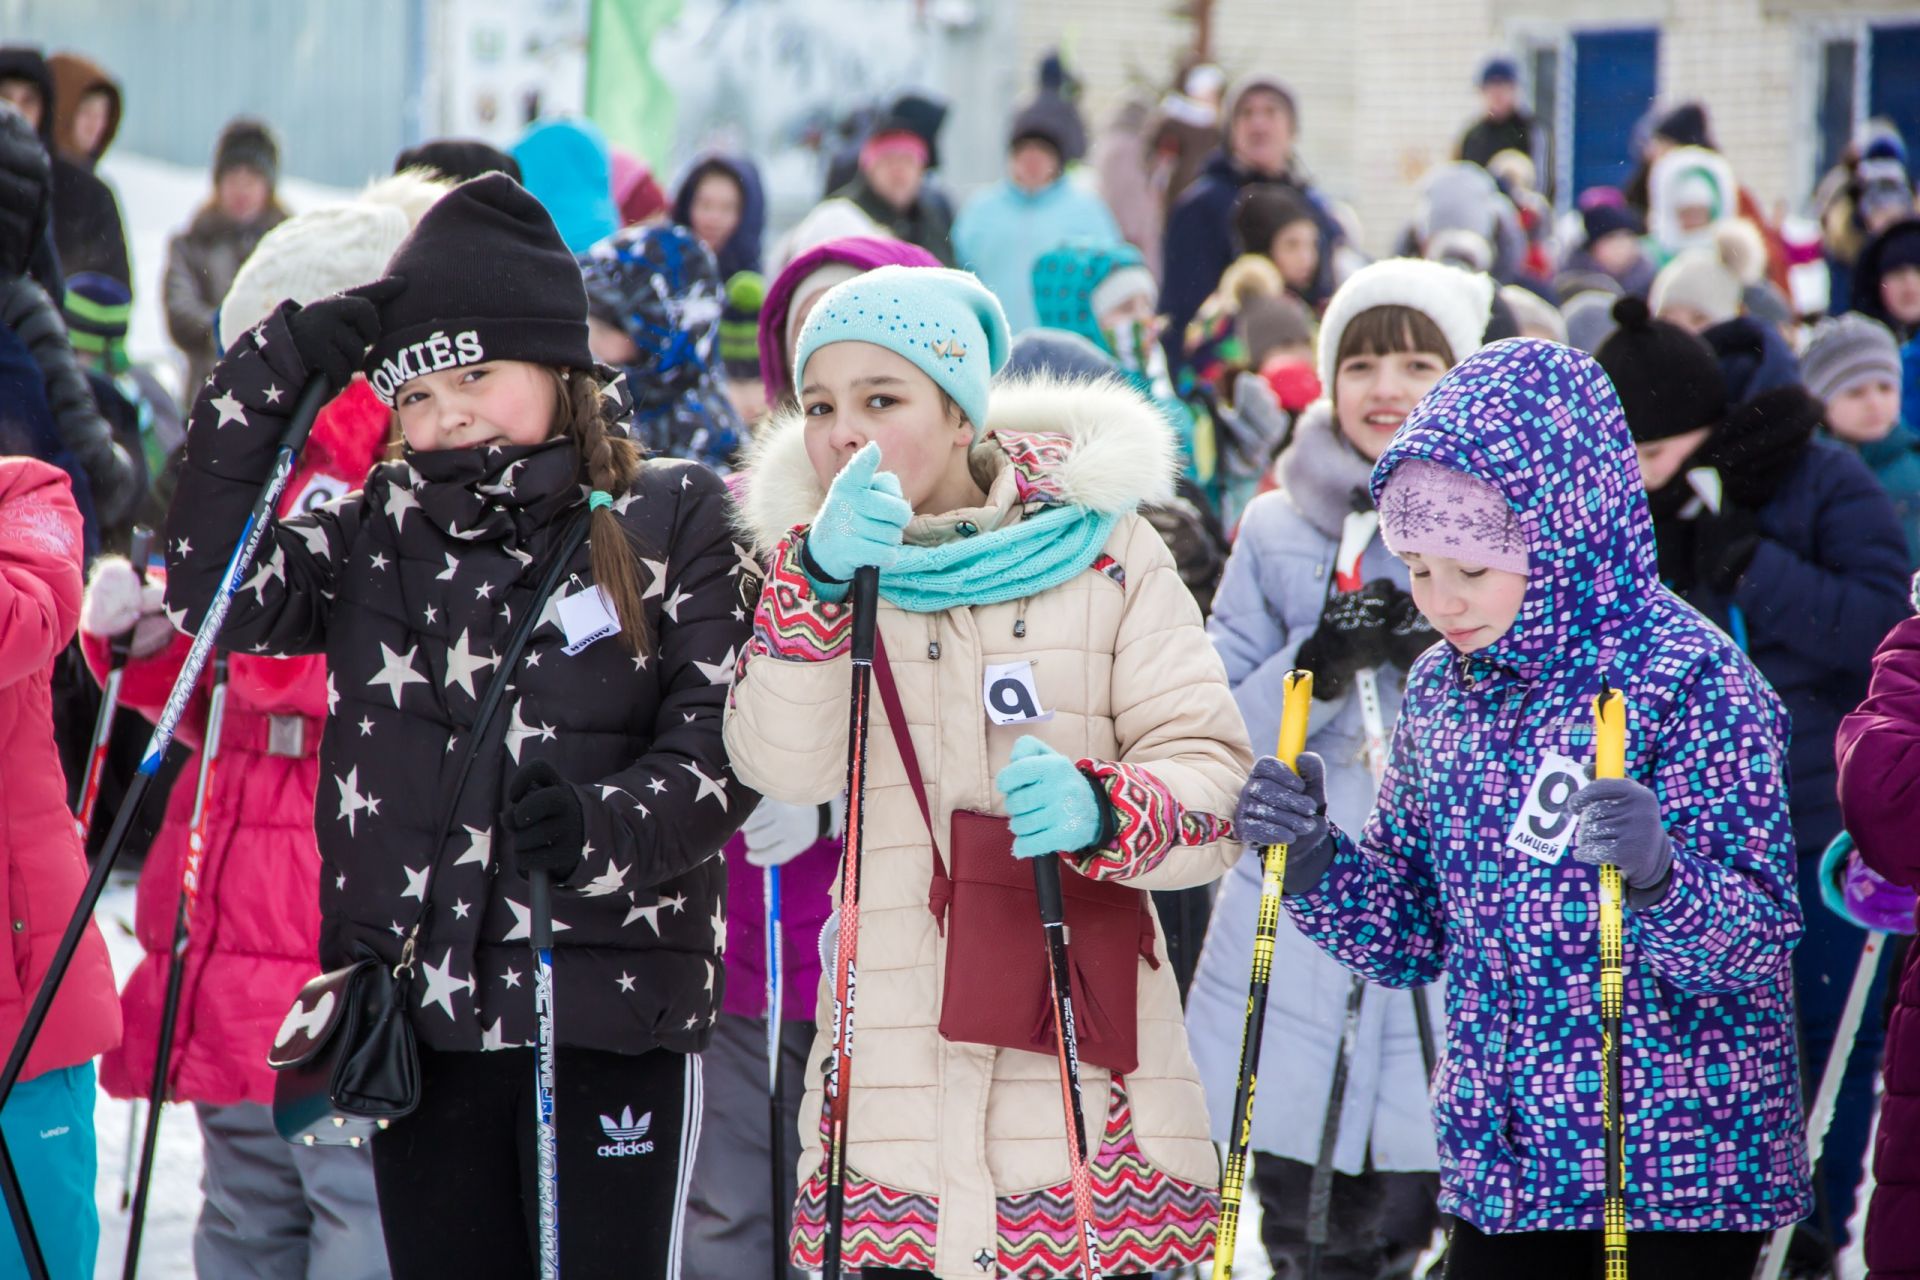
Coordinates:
(48, 1121)
(270, 1209)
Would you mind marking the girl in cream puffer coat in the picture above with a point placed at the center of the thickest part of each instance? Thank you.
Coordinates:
(1024, 546)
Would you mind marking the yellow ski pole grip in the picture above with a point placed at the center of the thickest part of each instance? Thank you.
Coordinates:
(1610, 761)
(1293, 717)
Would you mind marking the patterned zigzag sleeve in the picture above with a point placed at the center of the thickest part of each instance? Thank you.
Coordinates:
(1378, 910)
(1731, 914)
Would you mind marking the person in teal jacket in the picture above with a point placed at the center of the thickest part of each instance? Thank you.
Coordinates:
(1852, 366)
(1004, 229)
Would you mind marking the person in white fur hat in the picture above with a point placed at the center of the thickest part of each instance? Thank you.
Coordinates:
(1310, 584)
(269, 1209)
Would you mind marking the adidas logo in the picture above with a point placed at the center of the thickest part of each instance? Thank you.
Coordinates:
(626, 1133)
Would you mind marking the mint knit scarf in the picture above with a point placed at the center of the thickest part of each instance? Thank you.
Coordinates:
(1049, 547)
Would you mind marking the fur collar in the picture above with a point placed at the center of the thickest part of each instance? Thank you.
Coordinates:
(1323, 475)
(1122, 453)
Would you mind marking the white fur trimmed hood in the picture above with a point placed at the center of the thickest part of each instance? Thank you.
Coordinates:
(1123, 453)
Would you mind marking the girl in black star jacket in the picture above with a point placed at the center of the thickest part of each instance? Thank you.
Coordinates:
(602, 765)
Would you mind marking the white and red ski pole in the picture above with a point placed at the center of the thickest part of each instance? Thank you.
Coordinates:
(839, 1079)
(119, 649)
(1066, 1044)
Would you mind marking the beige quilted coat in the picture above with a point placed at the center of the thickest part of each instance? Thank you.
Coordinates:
(1129, 675)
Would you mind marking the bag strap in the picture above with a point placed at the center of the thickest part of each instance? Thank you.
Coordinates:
(940, 888)
(483, 717)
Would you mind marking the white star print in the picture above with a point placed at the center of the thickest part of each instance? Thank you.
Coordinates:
(400, 500)
(230, 410)
(479, 848)
(416, 883)
(462, 663)
(273, 393)
(183, 548)
(442, 986)
(340, 881)
(625, 500)
(518, 731)
(259, 333)
(396, 671)
(378, 560)
(333, 695)
(624, 981)
(673, 603)
(433, 614)
(709, 965)
(656, 786)
(314, 536)
(739, 614)
(675, 903)
(521, 916)
(657, 587)
(608, 793)
(511, 977)
(608, 882)
(693, 1020)
(446, 574)
(720, 672)
(366, 726)
(524, 557)
(649, 914)
(274, 570)
(490, 1038)
(719, 922)
(460, 908)
(707, 785)
(532, 659)
(484, 591)
(352, 802)
(177, 618)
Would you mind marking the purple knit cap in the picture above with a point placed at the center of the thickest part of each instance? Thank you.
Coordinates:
(863, 252)
(1435, 510)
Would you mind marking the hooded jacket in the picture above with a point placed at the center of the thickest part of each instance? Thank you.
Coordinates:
(202, 261)
(1879, 769)
(862, 252)
(255, 930)
(566, 166)
(956, 1156)
(39, 609)
(411, 587)
(741, 252)
(1711, 1087)
(1277, 582)
(928, 223)
(87, 227)
(74, 77)
(1871, 267)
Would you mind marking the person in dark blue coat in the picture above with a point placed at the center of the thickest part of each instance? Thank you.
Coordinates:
(1261, 123)
(1786, 541)
(722, 201)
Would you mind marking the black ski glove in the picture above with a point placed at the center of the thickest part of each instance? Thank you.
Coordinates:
(546, 829)
(1352, 635)
(331, 336)
(1286, 806)
(1409, 634)
(1723, 547)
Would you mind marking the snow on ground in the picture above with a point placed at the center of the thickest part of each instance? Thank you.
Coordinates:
(174, 1202)
(156, 200)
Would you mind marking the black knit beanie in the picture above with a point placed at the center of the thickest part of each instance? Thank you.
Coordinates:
(487, 278)
(247, 143)
(1669, 381)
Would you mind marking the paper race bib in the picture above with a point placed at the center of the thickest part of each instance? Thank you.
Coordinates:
(1010, 695)
(1545, 826)
(587, 616)
(319, 490)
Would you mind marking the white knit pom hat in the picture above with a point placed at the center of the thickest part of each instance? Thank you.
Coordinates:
(1458, 302)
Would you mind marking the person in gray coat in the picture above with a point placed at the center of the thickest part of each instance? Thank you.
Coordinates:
(1310, 584)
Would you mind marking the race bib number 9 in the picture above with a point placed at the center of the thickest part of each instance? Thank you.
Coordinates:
(1544, 828)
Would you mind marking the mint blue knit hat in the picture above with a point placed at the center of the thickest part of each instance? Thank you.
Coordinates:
(946, 322)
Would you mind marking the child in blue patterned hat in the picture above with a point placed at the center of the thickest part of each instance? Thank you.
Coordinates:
(1052, 673)
(1513, 495)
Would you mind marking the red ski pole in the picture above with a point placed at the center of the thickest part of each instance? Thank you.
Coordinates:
(839, 1079)
(1066, 1043)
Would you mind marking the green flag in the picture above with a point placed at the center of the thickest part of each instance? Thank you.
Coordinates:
(626, 96)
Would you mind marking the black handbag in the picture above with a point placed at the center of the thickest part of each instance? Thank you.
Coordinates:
(345, 1061)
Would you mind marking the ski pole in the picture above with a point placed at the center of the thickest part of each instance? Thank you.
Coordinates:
(1820, 1117)
(546, 1136)
(1610, 761)
(177, 960)
(129, 1154)
(839, 1079)
(119, 649)
(1066, 1044)
(1293, 740)
(776, 1113)
(305, 409)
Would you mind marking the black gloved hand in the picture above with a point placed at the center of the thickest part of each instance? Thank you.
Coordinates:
(331, 336)
(1279, 805)
(1409, 634)
(1723, 547)
(546, 829)
(1352, 634)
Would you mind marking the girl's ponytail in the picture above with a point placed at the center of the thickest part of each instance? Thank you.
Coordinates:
(611, 462)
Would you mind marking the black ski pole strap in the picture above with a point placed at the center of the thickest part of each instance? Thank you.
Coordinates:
(482, 719)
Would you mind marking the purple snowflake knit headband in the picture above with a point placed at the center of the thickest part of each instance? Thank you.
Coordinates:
(1435, 510)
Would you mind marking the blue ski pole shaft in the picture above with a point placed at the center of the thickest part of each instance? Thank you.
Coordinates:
(306, 408)
(540, 935)
(776, 1112)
